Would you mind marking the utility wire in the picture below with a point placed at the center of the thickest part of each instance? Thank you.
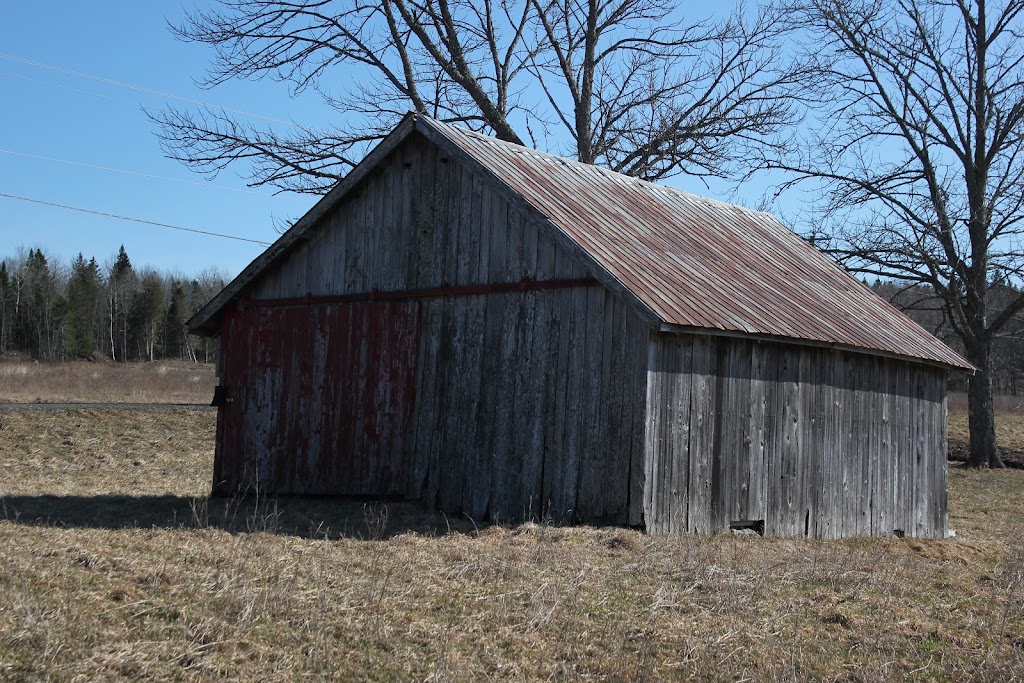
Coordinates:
(138, 88)
(140, 174)
(74, 90)
(133, 220)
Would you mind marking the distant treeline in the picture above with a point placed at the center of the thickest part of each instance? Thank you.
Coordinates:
(922, 305)
(53, 312)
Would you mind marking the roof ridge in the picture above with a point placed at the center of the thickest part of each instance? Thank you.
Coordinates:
(575, 163)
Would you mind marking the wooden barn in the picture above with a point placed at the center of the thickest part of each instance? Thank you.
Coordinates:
(508, 334)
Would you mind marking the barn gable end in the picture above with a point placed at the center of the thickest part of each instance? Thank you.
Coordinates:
(455, 323)
(420, 220)
(504, 376)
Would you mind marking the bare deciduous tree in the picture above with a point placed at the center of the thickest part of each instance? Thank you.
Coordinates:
(626, 82)
(919, 159)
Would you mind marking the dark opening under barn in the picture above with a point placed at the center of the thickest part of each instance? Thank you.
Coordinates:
(507, 334)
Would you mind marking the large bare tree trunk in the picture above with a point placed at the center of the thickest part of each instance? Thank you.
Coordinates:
(981, 412)
(920, 161)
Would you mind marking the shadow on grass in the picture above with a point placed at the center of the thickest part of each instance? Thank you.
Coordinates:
(323, 518)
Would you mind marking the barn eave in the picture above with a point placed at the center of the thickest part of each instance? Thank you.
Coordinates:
(950, 365)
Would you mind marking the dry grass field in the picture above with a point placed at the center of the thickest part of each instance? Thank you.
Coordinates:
(114, 565)
(1009, 428)
(105, 382)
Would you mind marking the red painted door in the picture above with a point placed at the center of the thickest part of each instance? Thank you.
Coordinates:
(325, 400)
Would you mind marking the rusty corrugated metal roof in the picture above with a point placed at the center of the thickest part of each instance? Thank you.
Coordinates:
(696, 262)
(685, 261)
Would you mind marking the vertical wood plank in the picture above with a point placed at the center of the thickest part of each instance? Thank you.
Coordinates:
(479, 487)
(574, 424)
(605, 478)
(903, 450)
(887, 473)
(810, 440)
(738, 429)
(430, 248)
(757, 450)
(676, 454)
(594, 454)
(773, 430)
(653, 420)
(507, 455)
(825, 431)
(730, 471)
(417, 249)
(721, 471)
(863, 448)
(530, 237)
(557, 508)
(615, 416)
(637, 376)
(876, 431)
(922, 484)
(702, 423)
(336, 259)
(941, 480)
(481, 220)
(787, 471)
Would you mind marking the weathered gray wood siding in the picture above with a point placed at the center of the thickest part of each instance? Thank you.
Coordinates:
(531, 405)
(421, 220)
(810, 441)
(550, 401)
(527, 403)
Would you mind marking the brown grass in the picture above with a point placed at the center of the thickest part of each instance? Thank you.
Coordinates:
(104, 382)
(1009, 428)
(114, 565)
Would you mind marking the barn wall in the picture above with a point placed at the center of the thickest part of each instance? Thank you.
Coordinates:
(419, 221)
(810, 441)
(524, 401)
(531, 405)
(313, 390)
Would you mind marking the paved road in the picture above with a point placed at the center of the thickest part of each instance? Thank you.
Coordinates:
(11, 407)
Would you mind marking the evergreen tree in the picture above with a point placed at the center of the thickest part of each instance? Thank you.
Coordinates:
(26, 324)
(41, 315)
(84, 294)
(147, 315)
(53, 312)
(120, 288)
(176, 342)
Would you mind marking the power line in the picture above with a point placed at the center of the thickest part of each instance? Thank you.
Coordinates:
(138, 88)
(139, 174)
(74, 90)
(133, 220)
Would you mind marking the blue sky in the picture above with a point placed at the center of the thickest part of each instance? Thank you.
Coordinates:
(45, 111)
(49, 113)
